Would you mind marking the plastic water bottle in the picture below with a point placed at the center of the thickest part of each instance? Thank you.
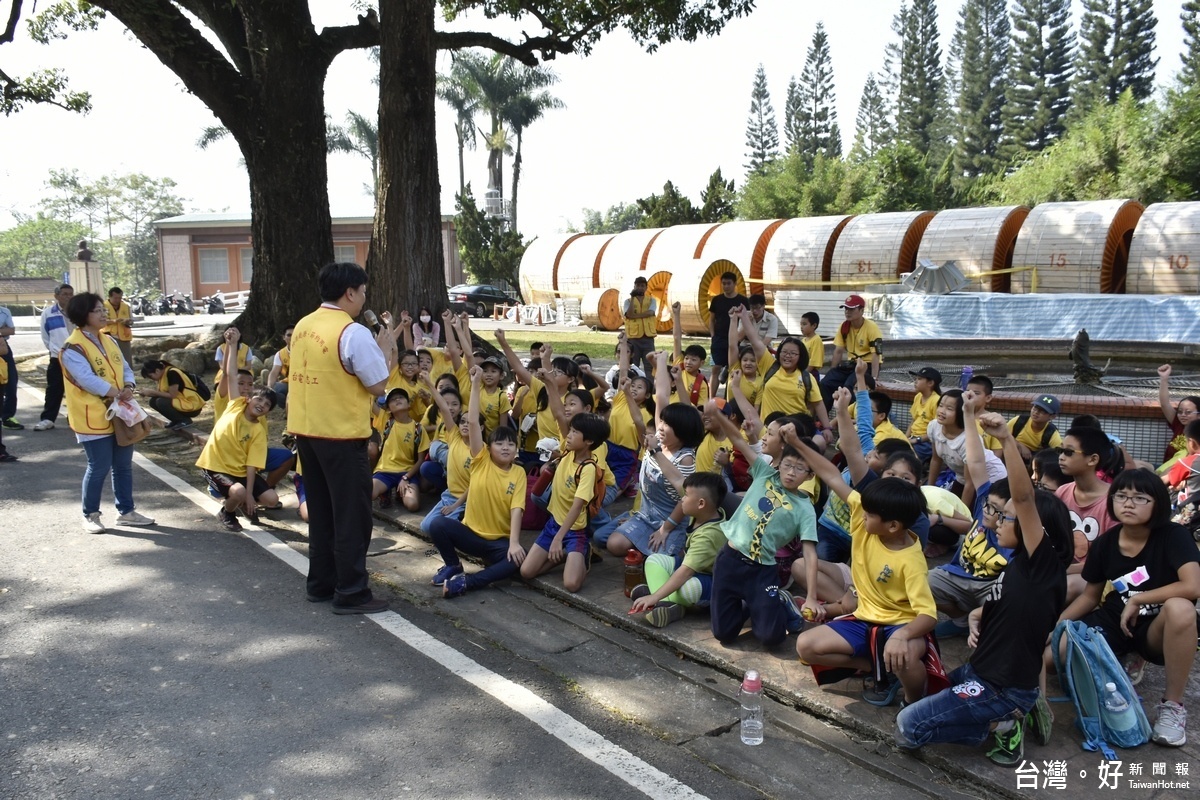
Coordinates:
(1121, 714)
(751, 699)
(967, 373)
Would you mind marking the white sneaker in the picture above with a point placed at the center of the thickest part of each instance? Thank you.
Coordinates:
(44, 425)
(1170, 728)
(135, 519)
(92, 523)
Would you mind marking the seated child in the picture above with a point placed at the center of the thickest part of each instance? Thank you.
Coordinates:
(773, 512)
(1091, 461)
(891, 577)
(491, 527)
(564, 538)
(927, 382)
(676, 583)
(1154, 570)
(456, 430)
(400, 453)
(235, 455)
(997, 690)
(809, 321)
(1046, 472)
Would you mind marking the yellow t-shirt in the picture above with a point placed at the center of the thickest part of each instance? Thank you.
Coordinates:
(402, 447)
(565, 490)
(235, 443)
(888, 431)
(528, 405)
(858, 343)
(493, 405)
(752, 388)
(689, 385)
(495, 492)
(785, 391)
(989, 442)
(892, 585)
(547, 425)
(816, 351)
(620, 421)
(417, 405)
(1033, 440)
(601, 456)
(458, 463)
(923, 412)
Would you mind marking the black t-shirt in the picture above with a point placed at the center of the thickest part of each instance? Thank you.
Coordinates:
(1023, 605)
(719, 310)
(1168, 548)
(175, 378)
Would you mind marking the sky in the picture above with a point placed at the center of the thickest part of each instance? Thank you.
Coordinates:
(632, 120)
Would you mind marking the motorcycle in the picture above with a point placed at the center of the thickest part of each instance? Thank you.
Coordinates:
(137, 305)
(164, 305)
(184, 304)
(215, 303)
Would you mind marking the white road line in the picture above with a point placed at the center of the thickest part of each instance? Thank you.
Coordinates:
(637, 773)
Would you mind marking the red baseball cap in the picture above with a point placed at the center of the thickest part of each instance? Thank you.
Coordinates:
(854, 301)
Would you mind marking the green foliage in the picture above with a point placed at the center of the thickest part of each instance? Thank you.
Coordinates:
(873, 128)
(39, 246)
(1116, 42)
(813, 127)
(898, 180)
(667, 209)
(359, 136)
(984, 38)
(1040, 69)
(762, 135)
(790, 188)
(1190, 17)
(46, 86)
(621, 217)
(1178, 141)
(489, 249)
(920, 76)
(717, 199)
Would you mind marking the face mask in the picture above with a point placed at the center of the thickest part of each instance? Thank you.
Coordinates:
(425, 318)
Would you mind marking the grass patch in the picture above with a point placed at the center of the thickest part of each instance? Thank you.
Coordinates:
(597, 344)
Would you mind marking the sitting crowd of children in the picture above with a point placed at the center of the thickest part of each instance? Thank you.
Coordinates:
(755, 508)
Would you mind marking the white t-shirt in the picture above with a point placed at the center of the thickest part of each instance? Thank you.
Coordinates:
(953, 453)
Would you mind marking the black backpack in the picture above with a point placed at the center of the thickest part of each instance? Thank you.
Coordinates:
(201, 387)
(1047, 434)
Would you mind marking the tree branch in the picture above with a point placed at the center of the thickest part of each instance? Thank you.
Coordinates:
(351, 37)
(10, 30)
(527, 52)
(223, 19)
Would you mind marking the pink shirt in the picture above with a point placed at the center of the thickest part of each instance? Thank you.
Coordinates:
(1089, 521)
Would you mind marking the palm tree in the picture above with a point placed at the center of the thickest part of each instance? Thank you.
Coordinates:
(361, 136)
(457, 90)
(523, 112)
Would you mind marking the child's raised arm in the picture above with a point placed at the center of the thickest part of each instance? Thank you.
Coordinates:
(677, 330)
(229, 370)
(751, 330)
(976, 458)
(635, 412)
(1164, 393)
(749, 412)
(662, 386)
(736, 439)
(734, 338)
(822, 467)
(1019, 484)
(855, 447)
(474, 431)
(518, 367)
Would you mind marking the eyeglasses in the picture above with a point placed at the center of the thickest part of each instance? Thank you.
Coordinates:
(1139, 500)
(1040, 485)
(1003, 518)
(1067, 451)
(798, 469)
(1182, 413)
(988, 508)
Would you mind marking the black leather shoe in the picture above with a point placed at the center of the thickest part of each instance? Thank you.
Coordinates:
(318, 598)
(372, 606)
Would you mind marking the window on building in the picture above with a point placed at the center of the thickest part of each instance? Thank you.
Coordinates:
(214, 265)
(247, 256)
(345, 252)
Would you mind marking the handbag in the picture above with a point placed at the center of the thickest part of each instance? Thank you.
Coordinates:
(128, 433)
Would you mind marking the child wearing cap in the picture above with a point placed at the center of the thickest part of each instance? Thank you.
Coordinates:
(927, 382)
(857, 337)
(1035, 431)
(400, 454)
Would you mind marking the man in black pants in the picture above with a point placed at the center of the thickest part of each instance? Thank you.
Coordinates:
(55, 329)
(8, 392)
(337, 369)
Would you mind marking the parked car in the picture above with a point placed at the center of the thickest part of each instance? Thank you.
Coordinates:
(480, 301)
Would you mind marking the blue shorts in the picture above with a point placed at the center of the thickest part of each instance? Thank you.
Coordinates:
(857, 633)
(301, 495)
(389, 479)
(573, 542)
(277, 457)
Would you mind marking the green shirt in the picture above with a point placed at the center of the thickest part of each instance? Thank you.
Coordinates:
(703, 544)
(769, 516)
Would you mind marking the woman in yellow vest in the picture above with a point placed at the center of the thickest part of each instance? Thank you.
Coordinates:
(176, 396)
(95, 375)
(4, 378)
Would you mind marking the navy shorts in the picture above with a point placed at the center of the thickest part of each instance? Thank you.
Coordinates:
(1109, 623)
(573, 542)
(857, 633)
(222, 482)
(389, 479)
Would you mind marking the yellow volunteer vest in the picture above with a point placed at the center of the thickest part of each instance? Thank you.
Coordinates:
(188, 400)
(325, 401)
(113, 329)
(3, 372)
(85, 410)
(285, 363)
(637, 328)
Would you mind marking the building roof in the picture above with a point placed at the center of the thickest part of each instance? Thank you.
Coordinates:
(241, 218)
(28, 285)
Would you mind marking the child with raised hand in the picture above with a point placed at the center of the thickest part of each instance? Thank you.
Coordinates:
(947, 434)
(997, 690)
(558, 372)
(1177, 416)
(491, 526)
(773, 512)
(1085, 456)
(1154, 569)
(676, 583)
(456, 430)
(235, 455)
(405, 375)
(564, 538)
(632, 411)
(743, 357)
(787, 386)
(494, 405)
(657, 525)
(890, 575)
(400, 453)
(965, 583)
(688, 384)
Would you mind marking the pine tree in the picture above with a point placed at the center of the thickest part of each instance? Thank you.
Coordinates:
(762, 135)
(791, 115)
(920, 76)
(816, 116)
(1191, 43)
(1039, 76)
(981, 96)
(873, 129)
(889, 78)
(1115, 52)
(718, 199)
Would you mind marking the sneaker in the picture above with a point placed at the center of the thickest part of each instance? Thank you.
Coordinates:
(229, 521)
(135, 519)
(639, 591)
(1009, 749)
(794, 622)
(373, 606)
(12, 424)
(8, 458)
(439, 578)
(881, 694)
(92, 523)
(455, 585)
(664, 614)
(44, 425)
(1040, 721)
(176, 426)
(1170, 727)
(1135, 667)
(949, 629)
(594, 554)
(385, 500)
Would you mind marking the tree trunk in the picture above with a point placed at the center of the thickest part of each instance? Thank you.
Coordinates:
(405, 262)
(512, 216)
(462, 172)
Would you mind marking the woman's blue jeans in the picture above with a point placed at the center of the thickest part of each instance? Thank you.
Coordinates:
(106, 456)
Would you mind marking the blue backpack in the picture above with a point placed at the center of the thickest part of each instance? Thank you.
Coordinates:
(1090, 664)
